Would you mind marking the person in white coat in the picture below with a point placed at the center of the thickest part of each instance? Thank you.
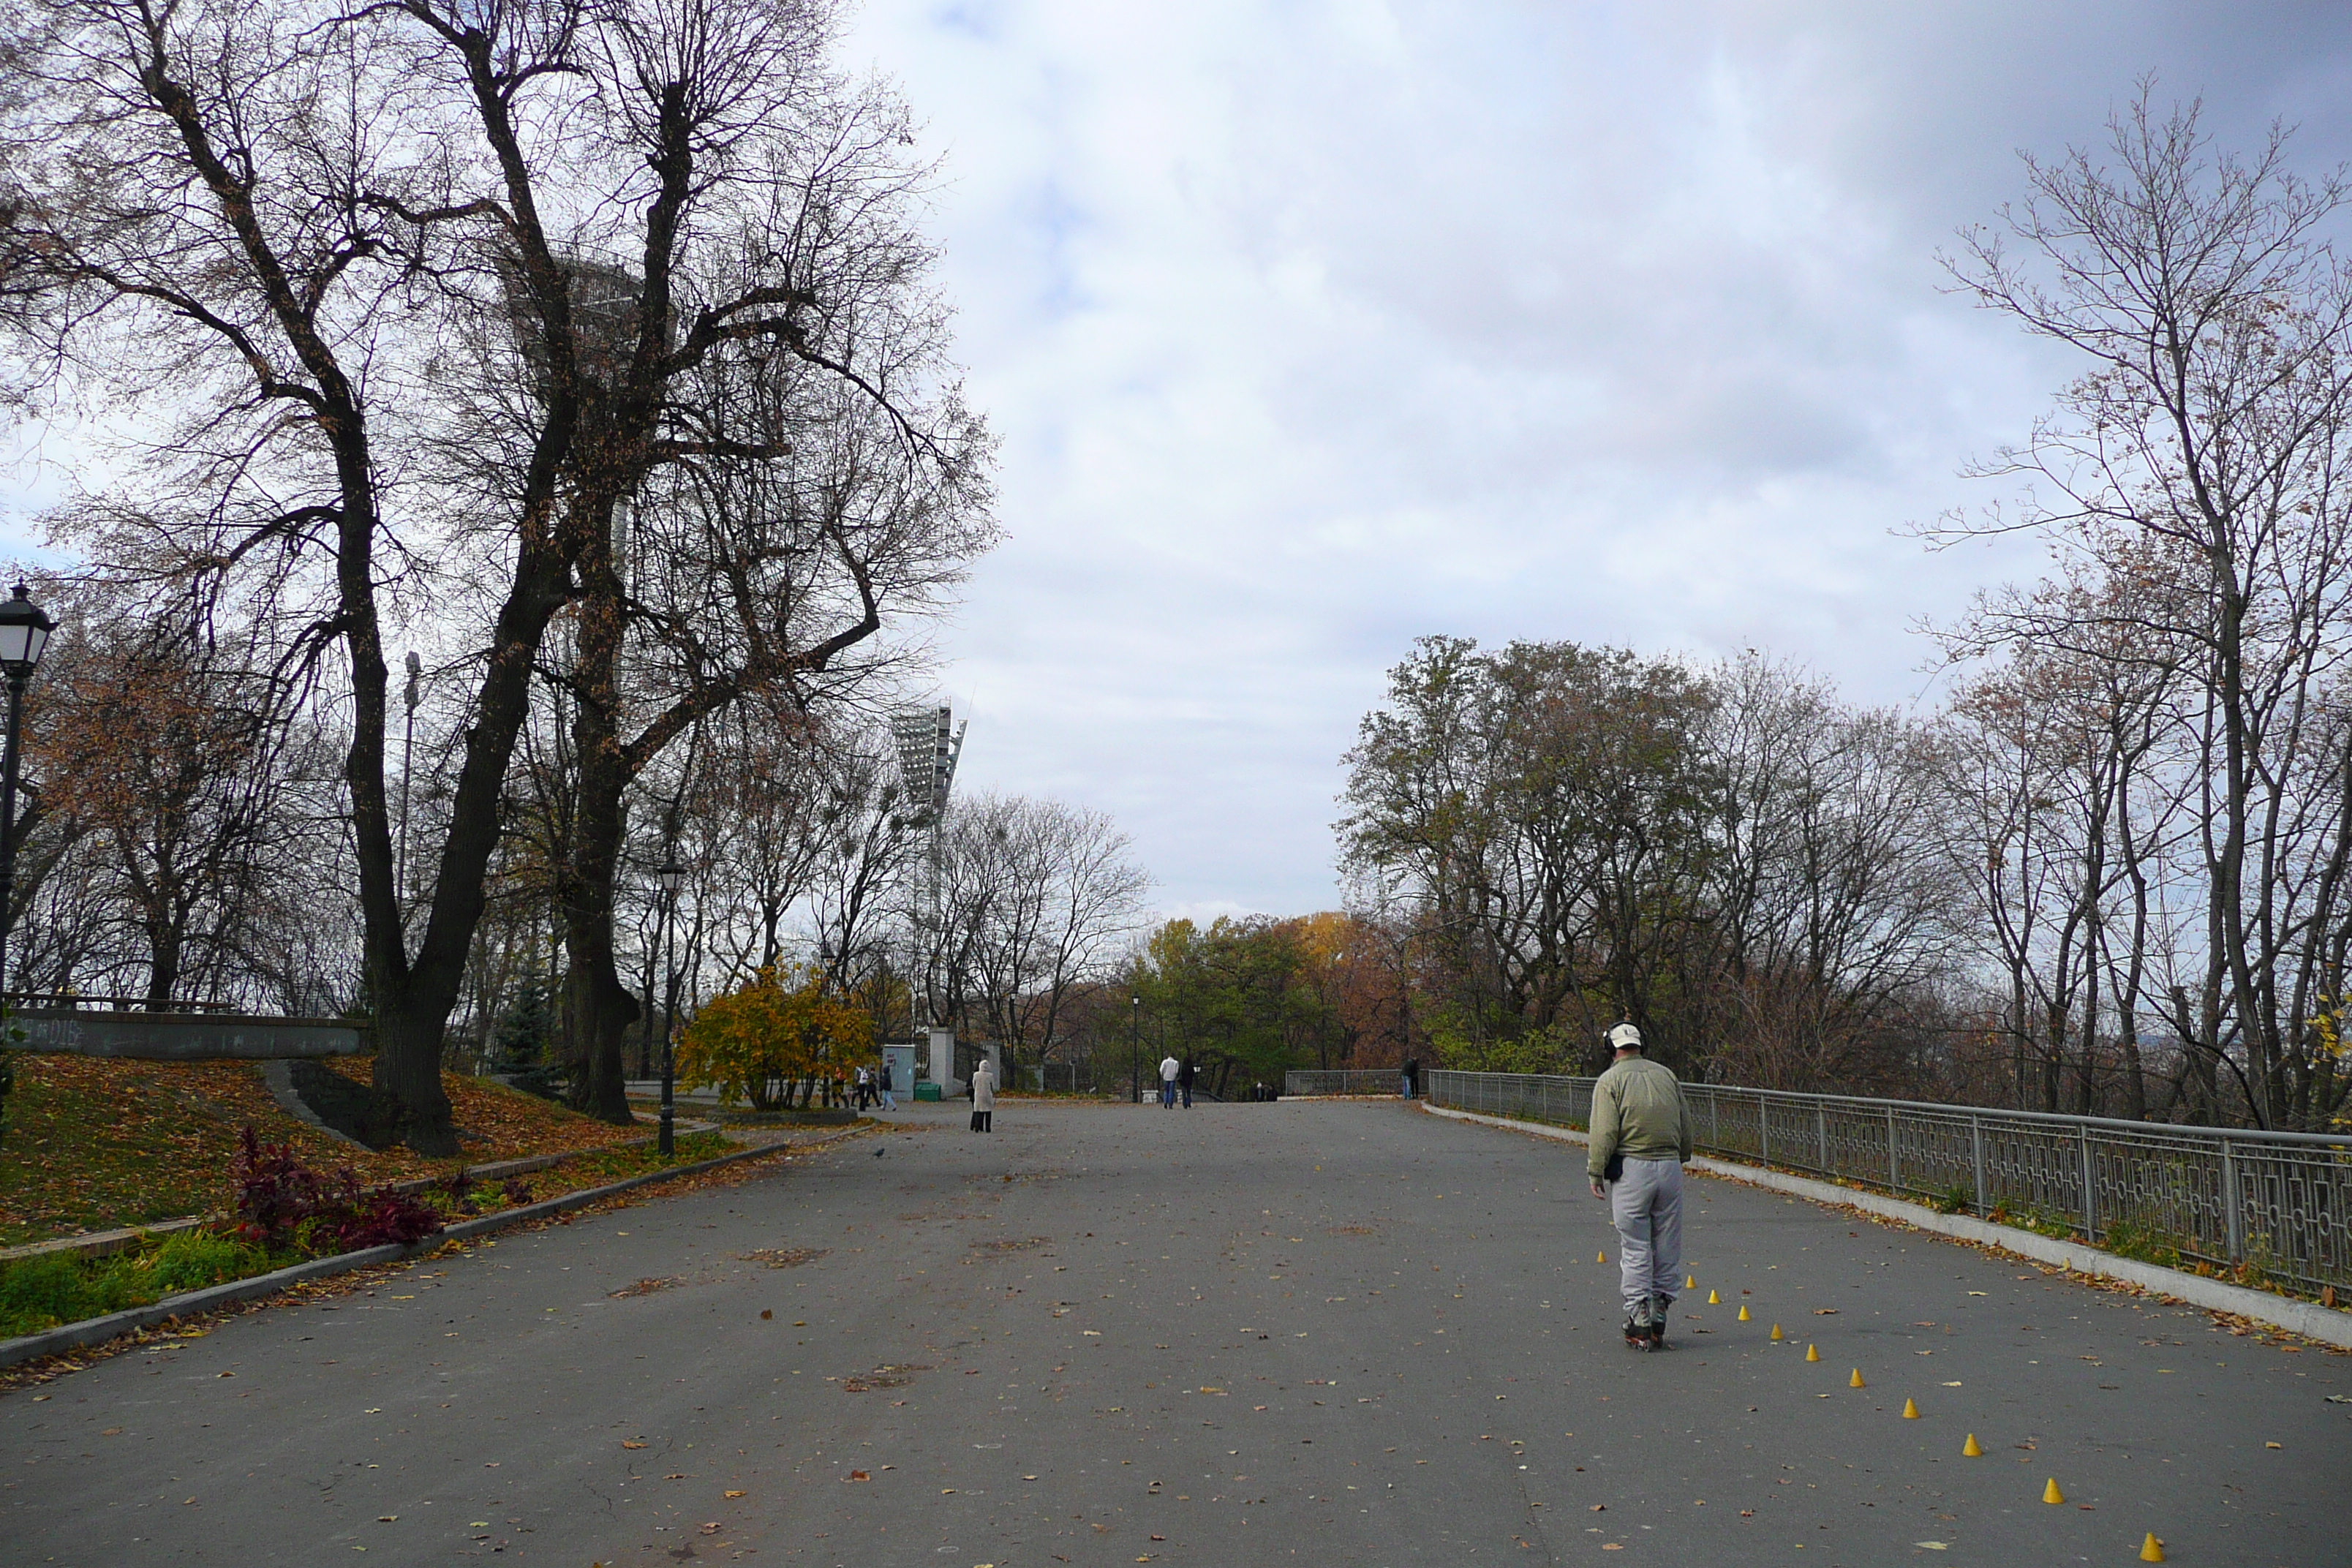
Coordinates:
(983, 1098)
(1168, 1067)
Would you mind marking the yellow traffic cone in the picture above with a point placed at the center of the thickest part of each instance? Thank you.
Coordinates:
(1713, 1300)
(1599, 1258)
(1970, 1449)
(1855, 1380)
(2051, 1493)
(1777, 1336)
(1910, 1411)
(1813, 1353)
(2151, 1550)
(1690, 1281)
(1743, 1311)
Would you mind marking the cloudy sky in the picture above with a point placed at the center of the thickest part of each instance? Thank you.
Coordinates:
(1311, 327)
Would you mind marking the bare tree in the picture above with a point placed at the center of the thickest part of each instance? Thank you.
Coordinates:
(1045, 898)
(309, 247)
(2204, 448)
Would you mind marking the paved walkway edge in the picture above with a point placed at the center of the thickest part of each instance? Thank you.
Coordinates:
(104, 1242)
(97, 1331)
(2308, 1319)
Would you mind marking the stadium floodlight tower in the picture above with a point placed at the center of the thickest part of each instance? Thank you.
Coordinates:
(930, 743)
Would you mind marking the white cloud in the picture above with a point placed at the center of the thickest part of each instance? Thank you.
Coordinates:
(1311, 329)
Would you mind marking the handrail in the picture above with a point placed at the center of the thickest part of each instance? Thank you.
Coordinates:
(76, 1000)
(2265, 1205)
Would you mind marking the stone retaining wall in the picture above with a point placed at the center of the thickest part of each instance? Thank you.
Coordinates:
(183, 1037)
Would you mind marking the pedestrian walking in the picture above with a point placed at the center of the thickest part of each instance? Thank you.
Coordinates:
(1412, 1078)
(1184, 1076)
(1641, 1137)
(889, 1096)
(865, 1089)
(1169, 1068)
(983, 1098)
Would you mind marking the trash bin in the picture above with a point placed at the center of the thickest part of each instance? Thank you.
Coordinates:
(927, 1090)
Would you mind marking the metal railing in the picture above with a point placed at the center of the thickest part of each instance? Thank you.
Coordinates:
(1345, 1080)
(2278, 1204)
(72, 1001)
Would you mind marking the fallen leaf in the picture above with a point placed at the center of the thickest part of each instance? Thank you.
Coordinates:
(1933, 1545)
(385, 1518)
(854, 1475)
(730, 1494)
(1601, 1508)
(1825, 1311)
(711, 1528)
(627, 1443)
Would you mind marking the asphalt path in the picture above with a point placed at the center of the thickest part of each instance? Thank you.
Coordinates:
(1304, 1332)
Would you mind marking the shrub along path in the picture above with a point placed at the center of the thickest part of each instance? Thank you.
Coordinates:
(95, 1143)
(1244, 1334)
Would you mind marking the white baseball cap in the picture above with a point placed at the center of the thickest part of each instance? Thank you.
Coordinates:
(1625, 1037)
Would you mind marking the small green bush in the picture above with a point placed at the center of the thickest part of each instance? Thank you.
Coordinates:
(192, 1259)
(1955, 1198)
(2142, 1242)
(56, 1287)
(38, 1293)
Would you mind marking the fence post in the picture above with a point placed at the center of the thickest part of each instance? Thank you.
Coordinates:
(1714, 1121)
(1821, 1139)
(1894, 1160)
(2090, 1191)
(2235, 1227)
(1976, 1154)
(1763, 1129)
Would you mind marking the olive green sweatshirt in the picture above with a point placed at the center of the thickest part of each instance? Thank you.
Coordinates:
(1637, 1111)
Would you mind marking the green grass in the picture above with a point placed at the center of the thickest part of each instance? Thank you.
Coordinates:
(44, 1292)
(57, 1287)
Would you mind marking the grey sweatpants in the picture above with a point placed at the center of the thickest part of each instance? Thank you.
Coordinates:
(1647, 1204)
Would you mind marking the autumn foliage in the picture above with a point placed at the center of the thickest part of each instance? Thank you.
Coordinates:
(283, 1203)
(788, 1030)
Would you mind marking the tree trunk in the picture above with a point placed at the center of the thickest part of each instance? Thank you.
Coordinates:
(597, 1007)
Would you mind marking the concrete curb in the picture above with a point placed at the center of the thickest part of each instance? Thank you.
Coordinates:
(100, 1244)
(2309, 1319)
(97, 1331)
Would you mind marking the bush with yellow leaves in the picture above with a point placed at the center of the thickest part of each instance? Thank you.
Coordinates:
(786, 1030)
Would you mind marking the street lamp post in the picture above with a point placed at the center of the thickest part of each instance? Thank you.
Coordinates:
(671, 877)
(1134, 1045)
(24, 631)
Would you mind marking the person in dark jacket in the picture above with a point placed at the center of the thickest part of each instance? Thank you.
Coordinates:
(1184, 1076)
(1412, 1078)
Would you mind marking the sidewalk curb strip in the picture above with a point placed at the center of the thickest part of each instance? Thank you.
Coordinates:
(106, 1243)
(2309, 1319)
(97, 1331)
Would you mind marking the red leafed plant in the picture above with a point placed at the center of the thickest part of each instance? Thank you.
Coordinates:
(284, 1204)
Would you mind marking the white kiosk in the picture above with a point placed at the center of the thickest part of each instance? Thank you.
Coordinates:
(942, 1043)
